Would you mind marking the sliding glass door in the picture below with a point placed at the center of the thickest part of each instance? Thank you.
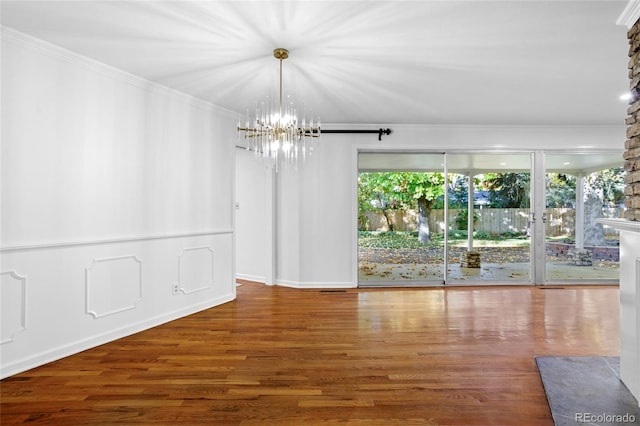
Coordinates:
(400, 218)
(473, 218)
(489, 218)
(581, 188)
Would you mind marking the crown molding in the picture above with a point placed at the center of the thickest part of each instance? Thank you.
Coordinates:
(630, 14)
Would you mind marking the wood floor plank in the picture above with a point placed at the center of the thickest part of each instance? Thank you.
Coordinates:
(279, 356)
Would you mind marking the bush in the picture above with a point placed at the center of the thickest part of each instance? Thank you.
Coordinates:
(482, 235)
(458, 234)
(462, 221)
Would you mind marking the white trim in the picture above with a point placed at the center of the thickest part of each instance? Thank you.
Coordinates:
(637, 309)
(81, 345)
(109, 71)
(354, 215)
(135, 238)
(445, 240)
(181, 269)
(630, 14)
(254, 278)
(579, 212)
(333, 126)
(637, 349)
(93, 312)
(23, 304)
(537, 252)
(314, 285)
(271, 225)
(621, 224)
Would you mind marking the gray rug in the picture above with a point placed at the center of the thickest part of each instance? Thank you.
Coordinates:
(587, 391)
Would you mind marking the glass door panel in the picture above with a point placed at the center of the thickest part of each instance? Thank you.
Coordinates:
(400, 218)
(489, 218)
(579, 189)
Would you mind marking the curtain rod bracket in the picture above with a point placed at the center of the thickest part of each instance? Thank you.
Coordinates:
(383, 131)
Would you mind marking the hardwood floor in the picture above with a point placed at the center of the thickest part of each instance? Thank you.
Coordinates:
(456, 356)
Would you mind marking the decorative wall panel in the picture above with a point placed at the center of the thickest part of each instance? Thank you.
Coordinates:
(13, 302)
(113, 285)
(121, 215)
(195, 269)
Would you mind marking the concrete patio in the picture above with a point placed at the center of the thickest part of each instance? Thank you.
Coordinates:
(495, 272)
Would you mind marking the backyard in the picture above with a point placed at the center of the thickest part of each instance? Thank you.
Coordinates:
(404, 215)
(398, 255)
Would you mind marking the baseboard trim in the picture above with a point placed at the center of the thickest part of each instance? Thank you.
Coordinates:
(315, 285)
(247, 277)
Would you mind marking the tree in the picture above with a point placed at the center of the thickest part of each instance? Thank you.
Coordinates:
(426, 189)
(375, 193)
(612, 183)
(609, 184)
(388, 190)
(561, 190)
(458, 188)
(508, 190)
(601, 188)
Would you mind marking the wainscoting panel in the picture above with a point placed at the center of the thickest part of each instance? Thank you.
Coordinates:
(13, 297)
(80, 296)
(195, 267)
(113, 285)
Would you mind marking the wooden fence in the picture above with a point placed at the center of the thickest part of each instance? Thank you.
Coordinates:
(560, 222)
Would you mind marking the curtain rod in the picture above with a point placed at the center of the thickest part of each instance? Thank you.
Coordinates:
(380, 132)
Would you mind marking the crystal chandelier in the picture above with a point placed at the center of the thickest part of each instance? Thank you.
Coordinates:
(276, 133)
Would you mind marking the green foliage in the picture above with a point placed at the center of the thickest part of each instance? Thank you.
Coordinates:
(397, 190)
(483, 235)
(396, 240)
(462, 221)
(458, 192)
(458, 187)
(608, 184)
(387, 191)
(605, 184)
(511, 235)
(508, 190)
(561, 190)
(458, 234)
(378, 192)
(363, 222)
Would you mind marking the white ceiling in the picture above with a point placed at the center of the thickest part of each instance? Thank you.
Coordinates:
(375, 62)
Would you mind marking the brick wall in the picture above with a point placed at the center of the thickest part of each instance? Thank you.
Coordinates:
(632, 145)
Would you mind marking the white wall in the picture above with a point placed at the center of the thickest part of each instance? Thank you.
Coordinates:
(325, 215)
(316, 235)
(117, 204)
(251, 216)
